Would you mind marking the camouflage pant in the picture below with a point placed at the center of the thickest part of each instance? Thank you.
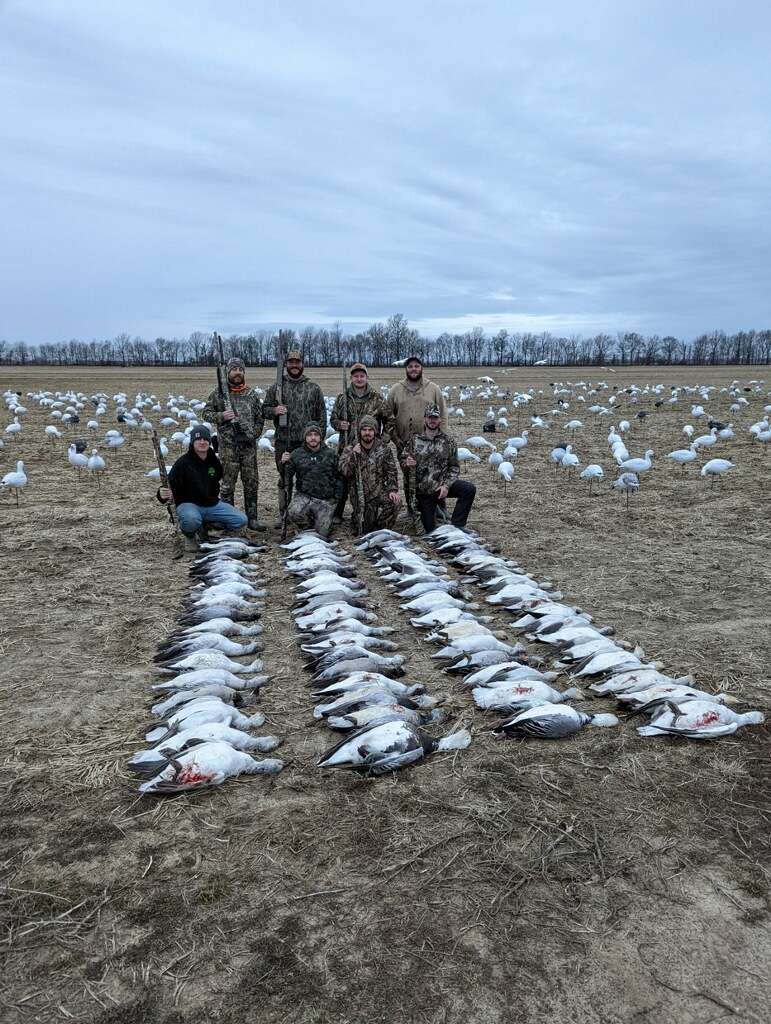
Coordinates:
(311, 513)
(243, 461)
(378, 515)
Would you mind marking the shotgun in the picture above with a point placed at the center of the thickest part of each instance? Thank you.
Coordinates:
(280, 377)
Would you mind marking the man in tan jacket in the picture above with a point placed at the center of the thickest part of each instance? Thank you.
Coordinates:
(407, 401)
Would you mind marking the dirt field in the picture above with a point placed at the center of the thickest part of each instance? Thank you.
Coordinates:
(602, 879)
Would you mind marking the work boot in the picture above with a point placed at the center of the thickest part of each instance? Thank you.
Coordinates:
(336, 519)
(189, 543)
(256, 525)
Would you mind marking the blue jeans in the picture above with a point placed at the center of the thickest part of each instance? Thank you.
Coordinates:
(192, 517)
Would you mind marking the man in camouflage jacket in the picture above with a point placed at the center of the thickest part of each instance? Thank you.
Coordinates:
(238, 433)
(318, 482)
(303, 402)
(434, 457)
(371, 461)
(361, 400)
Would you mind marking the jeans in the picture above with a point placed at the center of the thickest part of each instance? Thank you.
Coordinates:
(192, 517)
(463, 490)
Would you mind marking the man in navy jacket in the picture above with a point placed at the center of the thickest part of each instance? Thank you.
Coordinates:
(195, 486)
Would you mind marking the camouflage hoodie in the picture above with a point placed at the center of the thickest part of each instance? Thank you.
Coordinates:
(248, 410)
(316, 472)
(378, 470)
(437, 461)
(305, 403)
(368, 404)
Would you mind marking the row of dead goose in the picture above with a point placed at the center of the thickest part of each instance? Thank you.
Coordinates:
(500, 677)
(585, 652)
(202, 734)
(356, 676)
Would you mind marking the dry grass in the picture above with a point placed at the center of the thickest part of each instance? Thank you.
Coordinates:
(603, 879)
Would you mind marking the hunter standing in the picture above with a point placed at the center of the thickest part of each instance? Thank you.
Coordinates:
(374, 460)
(360, 400)
(318, 482)
(434, 457)
(302, 403)
(238, 430)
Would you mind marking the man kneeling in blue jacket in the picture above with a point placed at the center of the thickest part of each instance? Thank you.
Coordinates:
(195, 486)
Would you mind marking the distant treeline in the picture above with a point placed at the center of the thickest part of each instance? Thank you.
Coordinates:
(382, 344)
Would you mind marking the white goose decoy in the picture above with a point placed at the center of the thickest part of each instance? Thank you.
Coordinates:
(479, 442)
(506, 472)
(518, 442)
(626, 483)
(591, 473)
(715, 468)
(15, 481)
(688, 430)
(682, 456)
(96, 465)
(208, 764)
(570, 460)
(550, 722)
(494, 460)
(638, 465)
(465, 455)
(115, 440)
(695, 719)
(706, 440)
(13, 428)
(54, 433)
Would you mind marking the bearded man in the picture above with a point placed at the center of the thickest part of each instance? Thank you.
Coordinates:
(238, 431)
(370, 460)
(302, 402)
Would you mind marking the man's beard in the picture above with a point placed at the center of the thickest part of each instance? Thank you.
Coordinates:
(295, 371)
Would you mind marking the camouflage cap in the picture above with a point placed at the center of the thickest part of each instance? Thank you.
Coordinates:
(368, 421)
(236, 363)
(294, 354)
(431, 410)
(358, 366)
(413, 359)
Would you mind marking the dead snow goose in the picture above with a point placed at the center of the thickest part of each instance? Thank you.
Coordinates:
(386, 746)
(550, 722)
(208, 764)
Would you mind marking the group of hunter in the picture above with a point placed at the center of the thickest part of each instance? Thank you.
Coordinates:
(314, 482)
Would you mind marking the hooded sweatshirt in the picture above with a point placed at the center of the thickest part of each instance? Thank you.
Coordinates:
(195, 480)
(407, 405)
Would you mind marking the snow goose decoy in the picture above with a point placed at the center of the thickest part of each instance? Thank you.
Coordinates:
(627, 482)
(715, 468)
(682, 456)
(638, 465)
(15, 481)
(591, 473)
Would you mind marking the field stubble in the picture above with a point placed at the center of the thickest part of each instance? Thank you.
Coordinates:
(604, 879)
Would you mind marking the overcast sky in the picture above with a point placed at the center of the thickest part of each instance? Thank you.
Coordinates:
(186, 165)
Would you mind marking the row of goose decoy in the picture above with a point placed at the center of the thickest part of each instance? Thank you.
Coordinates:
(356, 676)
(202, 733)
(585, 652)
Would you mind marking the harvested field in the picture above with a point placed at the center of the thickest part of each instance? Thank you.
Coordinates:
(603, 879)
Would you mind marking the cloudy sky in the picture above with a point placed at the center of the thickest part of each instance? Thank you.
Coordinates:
(188, 165)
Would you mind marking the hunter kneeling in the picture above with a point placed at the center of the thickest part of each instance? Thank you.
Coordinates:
(195, 486)
(319, 485)
(434, 457)
(370, 466)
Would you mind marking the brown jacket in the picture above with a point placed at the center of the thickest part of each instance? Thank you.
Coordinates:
(407, 408)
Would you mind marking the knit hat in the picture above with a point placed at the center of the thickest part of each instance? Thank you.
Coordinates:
(200, 433)
(431, 410)
(358, 366)
(309, 428)
(413, 359)
(368, 421)
(236, 363)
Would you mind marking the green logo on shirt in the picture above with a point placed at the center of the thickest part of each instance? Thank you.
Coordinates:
(212, 471)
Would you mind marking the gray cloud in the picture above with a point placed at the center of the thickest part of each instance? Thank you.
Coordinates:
(166, 169)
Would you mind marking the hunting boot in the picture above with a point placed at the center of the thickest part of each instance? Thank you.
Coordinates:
(189, 543)
(255, 525)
